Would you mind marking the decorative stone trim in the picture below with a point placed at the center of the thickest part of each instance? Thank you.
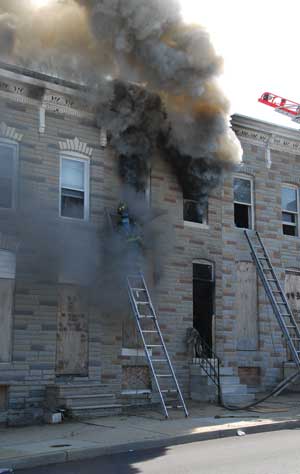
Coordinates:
(10, 132)
(8, 242)
(67, 102)
(243, 168)
(103, 137)
(42, 120)
(77, 146)
(273, 141)
(252, 136)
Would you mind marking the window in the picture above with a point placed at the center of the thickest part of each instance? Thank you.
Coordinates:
(74, 188)
(289, 204)
(8, 174)
(243, 202)
(7, 284)
(193, 211)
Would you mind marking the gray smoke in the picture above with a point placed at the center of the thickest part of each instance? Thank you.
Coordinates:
(161, 95)
(152, 45)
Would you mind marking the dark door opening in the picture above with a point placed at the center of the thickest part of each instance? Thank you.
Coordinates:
(203, 301)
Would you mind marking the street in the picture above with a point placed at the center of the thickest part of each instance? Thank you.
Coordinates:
(266, 453)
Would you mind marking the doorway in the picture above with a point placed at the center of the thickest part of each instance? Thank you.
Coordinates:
(203, 300)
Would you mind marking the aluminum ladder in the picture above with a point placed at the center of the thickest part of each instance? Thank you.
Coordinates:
(154, 345)
(275, 294)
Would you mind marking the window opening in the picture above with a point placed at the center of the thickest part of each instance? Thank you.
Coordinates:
(74, 188)
(289, 204)
(193, 211)
(8, 156)
(243, 205)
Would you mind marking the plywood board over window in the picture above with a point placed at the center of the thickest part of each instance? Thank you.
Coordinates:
(72, 332)
(246, 306)
(7, 285)
(292, 290)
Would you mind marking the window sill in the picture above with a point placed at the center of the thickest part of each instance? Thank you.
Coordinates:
(127, 352)
(6, 365)
(242, 229)
(290, 237)
(195, 225)
(75, 219)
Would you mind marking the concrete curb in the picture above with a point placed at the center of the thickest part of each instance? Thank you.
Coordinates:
(88, 453)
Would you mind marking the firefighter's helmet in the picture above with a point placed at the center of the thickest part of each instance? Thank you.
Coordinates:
(122, 208)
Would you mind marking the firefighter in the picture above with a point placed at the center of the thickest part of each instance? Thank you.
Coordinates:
(124, 221)
(128, 226)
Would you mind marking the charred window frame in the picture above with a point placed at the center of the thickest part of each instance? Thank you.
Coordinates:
(194, 212)
(243, 202)
(290, 210)
(9, 158)
(74, 186)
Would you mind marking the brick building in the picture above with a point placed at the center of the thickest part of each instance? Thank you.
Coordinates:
(55, 344)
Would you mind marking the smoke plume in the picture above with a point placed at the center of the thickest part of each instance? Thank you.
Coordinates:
(151, 78)
(176, 106)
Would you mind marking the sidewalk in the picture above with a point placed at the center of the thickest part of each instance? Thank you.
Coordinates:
(48, 444)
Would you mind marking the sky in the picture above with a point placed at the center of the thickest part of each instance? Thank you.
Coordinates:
(258, 40)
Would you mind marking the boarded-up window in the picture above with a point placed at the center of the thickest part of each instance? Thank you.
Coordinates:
(72, 332)
(3, 397)
(246, 299)
(292, 290)
(7, 283)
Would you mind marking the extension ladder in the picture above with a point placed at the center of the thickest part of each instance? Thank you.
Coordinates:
(275, 294)
(154, 345)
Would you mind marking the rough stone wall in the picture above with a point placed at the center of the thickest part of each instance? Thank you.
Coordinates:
(191, 242)
(32, 365)
(33, 358)
(283, 144)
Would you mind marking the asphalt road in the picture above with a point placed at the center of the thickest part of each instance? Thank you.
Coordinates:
(267, 453)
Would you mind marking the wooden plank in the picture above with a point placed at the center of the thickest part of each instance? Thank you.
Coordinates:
(3, 397)
(246, 304)
(72, 332)
(292, 291)
(6, 302)
(7, 264)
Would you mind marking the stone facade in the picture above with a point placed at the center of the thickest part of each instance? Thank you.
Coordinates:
(44, 118)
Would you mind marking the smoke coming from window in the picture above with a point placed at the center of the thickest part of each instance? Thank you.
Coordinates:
(162, 91)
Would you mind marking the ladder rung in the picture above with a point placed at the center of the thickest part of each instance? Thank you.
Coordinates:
(164, 375)
(291, 327)
(168, 391)
(153, 345)
(175, 407)
(138, 289)
(270, 279)
(143, 316)
(142, 302)
(148, 331)
(159, 360)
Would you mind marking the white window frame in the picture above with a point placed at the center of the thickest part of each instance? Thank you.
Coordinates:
(251, 205)
(296, 226)
(75, 156)
(199, 225)
(15, 147)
